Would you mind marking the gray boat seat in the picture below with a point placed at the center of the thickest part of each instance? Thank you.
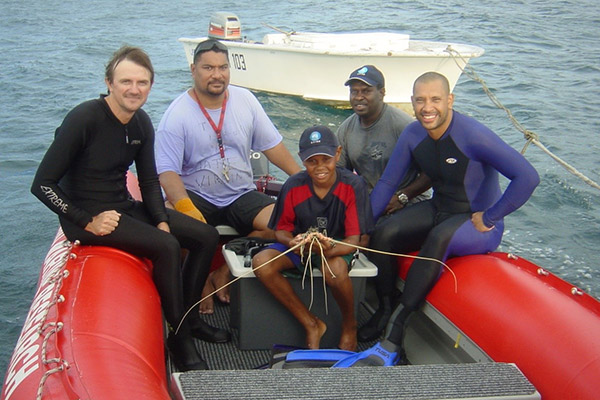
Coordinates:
(261, 321)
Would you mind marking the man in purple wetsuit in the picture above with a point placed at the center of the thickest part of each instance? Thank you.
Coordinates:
(463, 158)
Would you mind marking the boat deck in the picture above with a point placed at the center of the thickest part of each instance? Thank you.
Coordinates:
(436, 370)
(228, 356)
(450, 381)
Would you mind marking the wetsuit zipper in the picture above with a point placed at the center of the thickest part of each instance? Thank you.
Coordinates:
(124, 149)
(437, 158)
(438, 172)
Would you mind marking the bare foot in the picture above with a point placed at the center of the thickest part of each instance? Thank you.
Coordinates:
(348, 339)
(315, 333)
(207, 306)
(220, 278)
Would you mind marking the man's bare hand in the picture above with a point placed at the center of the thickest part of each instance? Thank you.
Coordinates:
(477, 220)
(104, 223)
(393, 206)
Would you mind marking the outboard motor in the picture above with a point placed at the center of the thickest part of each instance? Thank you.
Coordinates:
(265, 182)
(260, 164)
(224, 26)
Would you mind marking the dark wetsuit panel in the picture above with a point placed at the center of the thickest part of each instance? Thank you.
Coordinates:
(84, 173)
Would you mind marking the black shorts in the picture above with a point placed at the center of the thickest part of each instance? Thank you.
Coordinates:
(240, 214)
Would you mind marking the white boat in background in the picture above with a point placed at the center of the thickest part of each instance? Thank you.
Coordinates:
(316, 65)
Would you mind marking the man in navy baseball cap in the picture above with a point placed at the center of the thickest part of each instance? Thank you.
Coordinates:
(369, 75)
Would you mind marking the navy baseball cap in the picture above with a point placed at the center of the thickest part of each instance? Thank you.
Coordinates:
(317, 140)
(369, 75)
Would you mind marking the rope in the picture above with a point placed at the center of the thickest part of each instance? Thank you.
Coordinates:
(308, 265)
(407, 256)
(46, 375)
(250, 271)
(530, 137)
(287, 33)
(49, 329)
(323, 263)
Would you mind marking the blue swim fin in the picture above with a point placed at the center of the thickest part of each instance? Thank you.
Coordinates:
(384, 354)
(322, 358)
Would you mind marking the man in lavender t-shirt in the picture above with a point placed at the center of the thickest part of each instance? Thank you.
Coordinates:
(203, 148)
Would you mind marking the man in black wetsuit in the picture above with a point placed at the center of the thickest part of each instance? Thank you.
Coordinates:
(82, 178)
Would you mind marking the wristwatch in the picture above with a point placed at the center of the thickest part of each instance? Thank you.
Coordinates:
(402, 198)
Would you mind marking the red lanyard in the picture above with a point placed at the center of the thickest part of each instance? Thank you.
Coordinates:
(217, 129)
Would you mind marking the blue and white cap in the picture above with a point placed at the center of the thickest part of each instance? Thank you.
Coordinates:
(317, 140)
(369, 75)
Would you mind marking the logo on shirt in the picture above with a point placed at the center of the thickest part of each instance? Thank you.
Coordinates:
(55, 199)
(321, 223)
(451, 160)
(376, 152)
(315, 137)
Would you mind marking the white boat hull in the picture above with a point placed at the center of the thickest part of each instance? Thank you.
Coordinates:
(315, 71)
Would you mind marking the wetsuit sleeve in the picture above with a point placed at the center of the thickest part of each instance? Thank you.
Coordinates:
(510, 163)
(396, 168)
(147, 176)
(68, 143)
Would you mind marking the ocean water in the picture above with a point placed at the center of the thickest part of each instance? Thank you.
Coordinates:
(542, 61)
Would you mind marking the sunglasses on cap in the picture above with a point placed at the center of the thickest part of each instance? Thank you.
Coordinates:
(208, 45)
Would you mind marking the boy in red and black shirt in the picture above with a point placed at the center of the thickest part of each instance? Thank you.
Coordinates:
(333, 201)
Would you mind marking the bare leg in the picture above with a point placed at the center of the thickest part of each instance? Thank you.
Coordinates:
(261, 222)
(341, 288)
(280, 288)
(221, 277)
(218, 279)
(208, 305)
